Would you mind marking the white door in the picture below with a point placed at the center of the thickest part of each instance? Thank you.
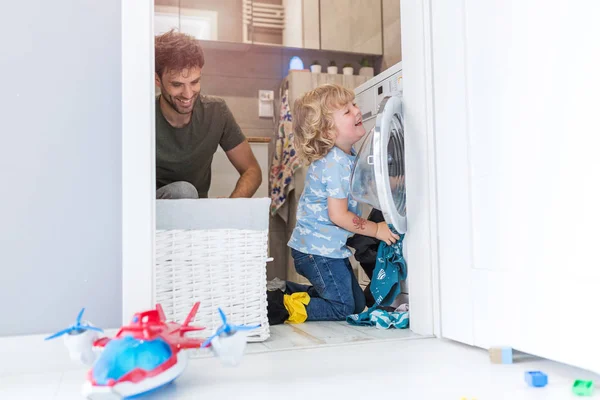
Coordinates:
(516, 136)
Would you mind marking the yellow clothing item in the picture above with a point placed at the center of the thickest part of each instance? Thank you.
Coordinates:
(295, 304)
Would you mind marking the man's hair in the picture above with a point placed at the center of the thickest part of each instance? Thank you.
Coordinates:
(176, 51)
(313, 124)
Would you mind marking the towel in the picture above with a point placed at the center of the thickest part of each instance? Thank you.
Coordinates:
(381, 319)
(285, 159)
(390, 269)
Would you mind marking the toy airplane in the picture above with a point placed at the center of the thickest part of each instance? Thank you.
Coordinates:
(146, 354)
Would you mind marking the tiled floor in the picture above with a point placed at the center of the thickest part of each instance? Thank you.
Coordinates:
(319, 334)
(314, 334)
(319, 367)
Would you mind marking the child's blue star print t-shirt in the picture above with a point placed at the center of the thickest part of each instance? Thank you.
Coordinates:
(314, 232)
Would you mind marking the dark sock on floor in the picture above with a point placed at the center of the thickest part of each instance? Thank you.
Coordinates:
(276, 311)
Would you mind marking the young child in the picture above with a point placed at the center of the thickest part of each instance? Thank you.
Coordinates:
(326, 125)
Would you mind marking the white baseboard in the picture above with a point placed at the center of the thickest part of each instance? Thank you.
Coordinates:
(31, 354)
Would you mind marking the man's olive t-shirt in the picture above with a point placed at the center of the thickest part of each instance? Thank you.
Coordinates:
(185, 154)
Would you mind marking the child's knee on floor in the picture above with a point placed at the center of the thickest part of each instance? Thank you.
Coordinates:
(343, 309)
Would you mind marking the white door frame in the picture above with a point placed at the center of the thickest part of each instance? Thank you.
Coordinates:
(417, 80)
(139, 157)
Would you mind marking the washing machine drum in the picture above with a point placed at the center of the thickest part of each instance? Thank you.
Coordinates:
(378, 177)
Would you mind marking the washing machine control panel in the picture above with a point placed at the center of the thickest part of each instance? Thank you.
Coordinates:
(389, 87)
(369, 100)
(367, 105)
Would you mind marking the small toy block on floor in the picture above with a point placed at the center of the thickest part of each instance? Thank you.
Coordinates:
(536, 378)
(501, 355)
(583, 388)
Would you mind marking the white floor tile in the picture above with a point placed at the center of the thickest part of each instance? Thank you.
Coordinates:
(30, 386)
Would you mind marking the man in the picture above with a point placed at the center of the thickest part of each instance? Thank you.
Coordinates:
(190, 126)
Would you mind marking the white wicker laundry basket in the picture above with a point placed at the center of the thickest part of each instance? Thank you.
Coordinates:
(213, 251)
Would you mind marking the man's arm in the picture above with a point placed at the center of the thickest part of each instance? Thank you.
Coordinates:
(244, 161)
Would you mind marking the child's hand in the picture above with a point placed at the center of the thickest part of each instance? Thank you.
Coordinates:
(385, 234)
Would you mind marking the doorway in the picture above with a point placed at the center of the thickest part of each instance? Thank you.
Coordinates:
(139, 191)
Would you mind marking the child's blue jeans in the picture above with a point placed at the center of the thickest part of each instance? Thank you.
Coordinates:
(335, 292)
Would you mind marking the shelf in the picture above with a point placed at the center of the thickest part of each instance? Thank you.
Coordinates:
(274, 49)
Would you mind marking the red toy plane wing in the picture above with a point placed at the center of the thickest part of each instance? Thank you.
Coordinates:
(192, 314)
(101, 342)
(186, 329)
(189, 343)
(161, 313)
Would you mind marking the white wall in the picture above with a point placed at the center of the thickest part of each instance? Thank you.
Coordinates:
(60, 238)
(516, 88)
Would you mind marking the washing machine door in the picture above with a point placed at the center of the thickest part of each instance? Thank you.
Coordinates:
(378, 177)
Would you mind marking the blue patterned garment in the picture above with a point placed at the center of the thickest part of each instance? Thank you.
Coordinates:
(390, 269)
(381, 319)
(314, 232)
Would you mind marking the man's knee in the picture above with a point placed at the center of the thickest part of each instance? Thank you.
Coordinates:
(177, 190)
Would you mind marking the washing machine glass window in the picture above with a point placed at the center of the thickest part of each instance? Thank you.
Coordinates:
(395, 163)
(362, 181)
(388, 155)
(378, 178)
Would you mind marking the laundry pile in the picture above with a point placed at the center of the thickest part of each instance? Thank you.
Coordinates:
(380, 318)
(384, 265)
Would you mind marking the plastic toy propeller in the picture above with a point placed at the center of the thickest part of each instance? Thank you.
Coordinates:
(77, 327)
(228, 342)
(227, 329)
(79, 339)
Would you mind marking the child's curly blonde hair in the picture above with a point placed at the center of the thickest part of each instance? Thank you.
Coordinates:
(313, 124)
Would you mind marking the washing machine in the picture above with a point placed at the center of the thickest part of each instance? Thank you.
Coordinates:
(378, 177)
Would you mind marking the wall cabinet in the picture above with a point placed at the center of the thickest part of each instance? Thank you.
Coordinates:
(351, 25)
(355, 26)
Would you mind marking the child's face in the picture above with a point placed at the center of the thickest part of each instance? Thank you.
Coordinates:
(348, 123)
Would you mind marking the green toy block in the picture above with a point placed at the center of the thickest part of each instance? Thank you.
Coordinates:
(583, 388)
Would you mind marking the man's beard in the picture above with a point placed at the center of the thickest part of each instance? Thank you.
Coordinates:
(169, 99)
